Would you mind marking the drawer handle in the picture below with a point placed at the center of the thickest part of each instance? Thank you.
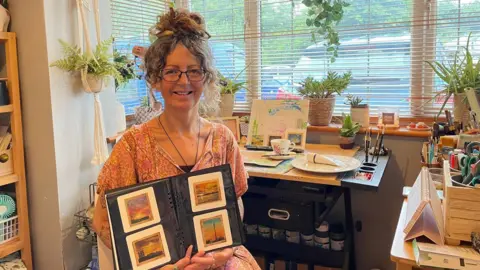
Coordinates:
(278, 214)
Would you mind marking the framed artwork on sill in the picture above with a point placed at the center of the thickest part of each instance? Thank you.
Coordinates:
(233, 123)
(388, 118)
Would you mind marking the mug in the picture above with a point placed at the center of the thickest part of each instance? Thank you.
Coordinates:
(282, 146)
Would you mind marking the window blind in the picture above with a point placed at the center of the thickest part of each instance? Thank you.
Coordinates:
(131, 20)
(447, 27)
(384, 43)
(225, 22)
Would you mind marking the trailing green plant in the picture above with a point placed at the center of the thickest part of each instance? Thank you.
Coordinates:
(354, 101)
(99, 63)
(349, 128)
(457, 74)
(323, 17)
(125, 67)
(327, 87)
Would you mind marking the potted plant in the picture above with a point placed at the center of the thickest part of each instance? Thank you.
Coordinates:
(321, 95)
(126, 69)
(94, 67)
(458, 74)
(228, 88)
(347, 132)
(358, 111)
(145, 111)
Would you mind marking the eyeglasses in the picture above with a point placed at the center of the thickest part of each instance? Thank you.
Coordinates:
(173, 75)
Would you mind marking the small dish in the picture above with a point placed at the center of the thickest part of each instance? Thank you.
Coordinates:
(275, 156)
(418, 129)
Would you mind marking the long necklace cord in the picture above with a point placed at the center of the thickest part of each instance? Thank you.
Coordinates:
(176, 149)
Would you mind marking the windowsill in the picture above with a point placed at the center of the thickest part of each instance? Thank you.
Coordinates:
(402, 131)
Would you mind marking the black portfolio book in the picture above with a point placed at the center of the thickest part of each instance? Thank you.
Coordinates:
(153, 223)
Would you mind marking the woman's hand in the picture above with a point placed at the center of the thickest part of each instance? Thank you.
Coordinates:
(221, 257)
(180, 264)
(200, 262)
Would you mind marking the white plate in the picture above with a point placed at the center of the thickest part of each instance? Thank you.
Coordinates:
(274, 156)
(347, 164)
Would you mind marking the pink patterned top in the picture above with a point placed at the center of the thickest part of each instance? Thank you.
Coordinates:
(138, 158)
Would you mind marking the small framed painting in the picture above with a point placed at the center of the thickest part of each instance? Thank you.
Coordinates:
(269, 138)
(206, 191)
(212, 230)
(297, 136)
(233, 123)
(138, 209)
(148, 248)
(388, 118)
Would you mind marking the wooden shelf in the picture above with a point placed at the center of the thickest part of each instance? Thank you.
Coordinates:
(8, 179)
(6, 108)
(5, 36)
(3, 79)
(402, 131)
(10, 247)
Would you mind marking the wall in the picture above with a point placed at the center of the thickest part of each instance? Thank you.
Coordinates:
(378, 211)
(58, 125)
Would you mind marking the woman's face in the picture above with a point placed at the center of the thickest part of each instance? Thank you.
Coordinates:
(183, 94)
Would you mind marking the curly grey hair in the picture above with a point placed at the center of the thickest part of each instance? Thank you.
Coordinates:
(186, 28)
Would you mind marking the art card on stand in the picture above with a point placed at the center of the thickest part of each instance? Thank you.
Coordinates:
(270, 118)
(152, 224)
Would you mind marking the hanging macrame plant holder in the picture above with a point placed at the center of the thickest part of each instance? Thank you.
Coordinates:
(93, 84)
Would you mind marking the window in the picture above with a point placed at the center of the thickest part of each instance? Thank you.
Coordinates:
(385, 44)
(131, 20)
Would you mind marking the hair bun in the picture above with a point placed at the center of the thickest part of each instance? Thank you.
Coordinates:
(181, 23)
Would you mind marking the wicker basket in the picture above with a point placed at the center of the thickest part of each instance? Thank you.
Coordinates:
(321, 111)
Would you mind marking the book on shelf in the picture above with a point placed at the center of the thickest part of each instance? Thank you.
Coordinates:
(424, 211)
(152, 224)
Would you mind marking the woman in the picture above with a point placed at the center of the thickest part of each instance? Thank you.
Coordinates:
(179, 64)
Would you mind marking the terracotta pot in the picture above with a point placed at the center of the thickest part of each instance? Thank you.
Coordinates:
(226, 105)
(460, 109)
(361, 115)
(347, 142)
(321, 111)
